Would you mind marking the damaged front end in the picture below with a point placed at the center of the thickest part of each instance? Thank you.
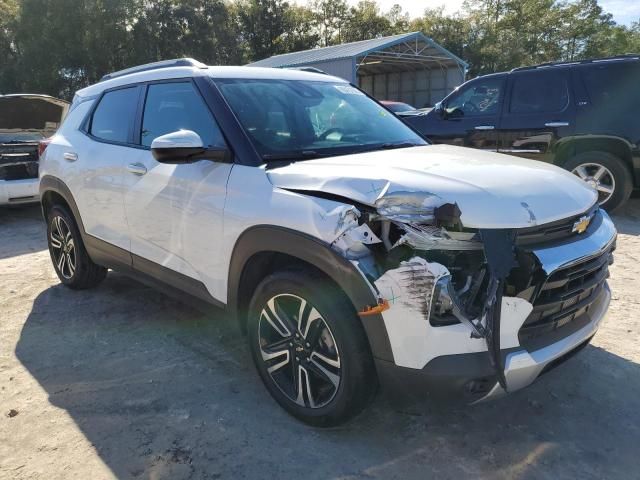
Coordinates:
(422, 263)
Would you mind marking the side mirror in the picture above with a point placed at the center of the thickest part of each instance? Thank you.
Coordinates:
(180, 146)
(186, 146)
(456, 113)
(439, 109)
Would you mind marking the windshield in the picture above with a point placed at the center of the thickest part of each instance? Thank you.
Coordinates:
(305, 119)
(20, 137)
(399, 107)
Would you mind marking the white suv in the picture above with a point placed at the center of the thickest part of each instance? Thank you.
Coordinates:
(353, 253)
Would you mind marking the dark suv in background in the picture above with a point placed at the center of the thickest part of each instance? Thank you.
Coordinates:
(583, 116)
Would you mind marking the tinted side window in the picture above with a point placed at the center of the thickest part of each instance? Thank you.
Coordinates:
(115, 114)
(178, 106)
(482, 97)
(539, 92)
(611, 84)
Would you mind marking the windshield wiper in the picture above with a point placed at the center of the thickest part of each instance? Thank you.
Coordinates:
(391, 146)
(300, 155)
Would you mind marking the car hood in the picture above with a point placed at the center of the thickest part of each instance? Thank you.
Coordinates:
(26, 117)
(492, 190)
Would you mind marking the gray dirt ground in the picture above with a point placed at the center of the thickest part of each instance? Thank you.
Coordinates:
(123, 382)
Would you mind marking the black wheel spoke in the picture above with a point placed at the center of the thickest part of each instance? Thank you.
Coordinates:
(271, 314)
(61, 261)
(277, 346)
(325, 368)
(56, 240)
(313, 333)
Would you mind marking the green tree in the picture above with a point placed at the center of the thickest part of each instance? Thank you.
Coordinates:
(50, 41)
(263, 24)
(301, 31)
(330, 16)
(202, 29)
(365, 21)
(8, 55)
(452, 32)
(399, 20)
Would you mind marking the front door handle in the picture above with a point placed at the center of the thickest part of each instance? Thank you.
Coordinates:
(137, 169)
(70, 156)
(485, 127)
(557, 124)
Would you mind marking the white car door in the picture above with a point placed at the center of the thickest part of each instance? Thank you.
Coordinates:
(97, 158)
(175, 211)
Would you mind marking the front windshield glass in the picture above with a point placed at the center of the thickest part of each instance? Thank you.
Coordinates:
(295, 118)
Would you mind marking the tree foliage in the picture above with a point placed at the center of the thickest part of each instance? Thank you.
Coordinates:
(58, 46)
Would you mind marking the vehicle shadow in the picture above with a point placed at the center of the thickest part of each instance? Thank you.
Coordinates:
(21, 231)
(627, 218)
(164, 391)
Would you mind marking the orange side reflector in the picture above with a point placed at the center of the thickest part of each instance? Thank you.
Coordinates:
(381, 307)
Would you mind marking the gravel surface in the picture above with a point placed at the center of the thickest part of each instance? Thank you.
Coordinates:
(125, 382)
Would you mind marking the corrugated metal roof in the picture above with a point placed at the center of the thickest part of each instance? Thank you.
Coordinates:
(347, 50)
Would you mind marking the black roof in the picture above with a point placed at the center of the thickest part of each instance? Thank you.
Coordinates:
(617, 58)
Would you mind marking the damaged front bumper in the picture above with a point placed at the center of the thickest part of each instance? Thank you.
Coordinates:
(522, 367)
(537, 329)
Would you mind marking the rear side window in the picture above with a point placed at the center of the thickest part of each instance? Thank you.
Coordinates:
(609, 85)
(178, 106)
(114, 115)
(539, 92)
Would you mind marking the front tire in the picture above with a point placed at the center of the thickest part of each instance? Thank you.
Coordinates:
(68, 253)
(309, 348)
(607, 173)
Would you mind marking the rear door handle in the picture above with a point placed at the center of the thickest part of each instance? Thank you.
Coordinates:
(557, 124)
(70, 156)
(137, 169)
(485, 127)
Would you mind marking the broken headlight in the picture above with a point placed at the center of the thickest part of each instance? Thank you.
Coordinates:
(455, 296)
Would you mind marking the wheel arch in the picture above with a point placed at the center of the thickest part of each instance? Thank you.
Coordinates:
(621, 148)
(54, 191)
(263, 249)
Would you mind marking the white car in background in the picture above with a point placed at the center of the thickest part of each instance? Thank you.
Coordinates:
(25, 120)
(353, 253)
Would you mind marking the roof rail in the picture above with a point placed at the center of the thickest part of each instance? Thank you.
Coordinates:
(177, 62)
(626, 56)
(308, 69)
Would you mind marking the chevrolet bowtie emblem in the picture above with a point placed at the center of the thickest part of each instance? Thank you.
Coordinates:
(581, 225)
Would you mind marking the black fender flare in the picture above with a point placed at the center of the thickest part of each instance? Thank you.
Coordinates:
(50, 183)
(276, 239)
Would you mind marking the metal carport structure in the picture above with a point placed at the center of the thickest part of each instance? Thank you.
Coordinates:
(410, 67)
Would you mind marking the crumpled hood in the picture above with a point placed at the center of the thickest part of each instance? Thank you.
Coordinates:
(492, 190)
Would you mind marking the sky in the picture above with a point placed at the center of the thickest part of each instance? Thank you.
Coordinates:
(624, 11)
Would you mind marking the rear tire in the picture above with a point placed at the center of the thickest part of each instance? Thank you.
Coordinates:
(310, 348)
(68, 253)
(606, 172)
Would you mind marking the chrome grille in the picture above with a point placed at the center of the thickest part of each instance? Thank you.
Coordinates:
(565, 297)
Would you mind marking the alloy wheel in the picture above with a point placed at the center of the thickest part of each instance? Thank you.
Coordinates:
(63, 247)
(599, 177)
(299, 351)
